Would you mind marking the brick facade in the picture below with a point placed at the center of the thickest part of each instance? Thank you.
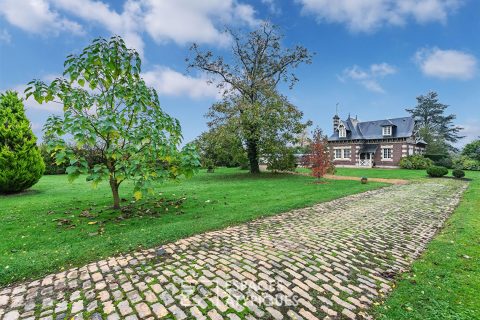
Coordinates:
(399, 149)
(379, 143)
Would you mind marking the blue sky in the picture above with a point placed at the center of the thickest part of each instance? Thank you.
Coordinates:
(373, 57)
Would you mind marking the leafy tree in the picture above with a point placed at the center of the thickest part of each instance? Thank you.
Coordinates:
(272, 123)
(282, 159)
(109, 108)
(51, 166)
(303, 142)
(466, 163)
(429, 115)
(472, 150)
(21, 165)
(251, 104)
(318, 159)
(220, 147)
(436, 145)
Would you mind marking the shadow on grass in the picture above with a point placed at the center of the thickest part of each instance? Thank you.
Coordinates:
(448, 177)
(243, 176)
(27, 192)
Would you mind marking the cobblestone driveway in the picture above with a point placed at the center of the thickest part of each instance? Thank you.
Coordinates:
(331, 260)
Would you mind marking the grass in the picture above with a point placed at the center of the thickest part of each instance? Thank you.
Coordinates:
(382, 173)
(445, 282)
(57, 224)
(377, 173)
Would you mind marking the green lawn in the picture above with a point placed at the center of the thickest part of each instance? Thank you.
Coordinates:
(33, 244)
(445, 282)
(382, 173)
(376, 173)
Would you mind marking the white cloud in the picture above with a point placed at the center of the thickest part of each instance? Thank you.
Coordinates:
(272, 6)
(170, 82)
(126, 24)
(382, 70)
(368, 78)
(5, 36)
(446, 64)
(369, 15)
(471, 131)
(185, 21)
(180, 21)
(37, 16)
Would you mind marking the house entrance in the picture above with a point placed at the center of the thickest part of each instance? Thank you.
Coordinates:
(365, 159)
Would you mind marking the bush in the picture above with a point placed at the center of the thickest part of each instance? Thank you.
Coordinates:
(282, 161)
(457, 173)
(435, 156)
(445, 162)
(466, 163)
(21, 164)
(436, 171)
(415, 162)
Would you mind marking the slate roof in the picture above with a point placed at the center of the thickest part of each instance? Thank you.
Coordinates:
(356, 130)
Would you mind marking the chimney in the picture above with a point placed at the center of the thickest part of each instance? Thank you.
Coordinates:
(336, 122)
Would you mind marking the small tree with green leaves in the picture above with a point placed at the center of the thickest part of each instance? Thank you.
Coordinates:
(109, 108)
(21, 164)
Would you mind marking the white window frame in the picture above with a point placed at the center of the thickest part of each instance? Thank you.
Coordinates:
(384, 149)
(335, 153)
(342, 132)
(387, 130)
(341, 153)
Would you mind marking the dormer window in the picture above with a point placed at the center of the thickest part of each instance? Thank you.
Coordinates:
(387, 130)
(342, 132)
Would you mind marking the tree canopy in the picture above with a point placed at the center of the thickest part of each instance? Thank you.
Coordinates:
(252, 106)
(472, 150)
(436, 128)
(220, 147)
(108, 107)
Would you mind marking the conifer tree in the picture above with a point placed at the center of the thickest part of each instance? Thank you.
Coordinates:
(21, 165)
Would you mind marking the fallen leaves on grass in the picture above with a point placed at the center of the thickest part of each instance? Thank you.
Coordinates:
(86, 214)
(62, 222)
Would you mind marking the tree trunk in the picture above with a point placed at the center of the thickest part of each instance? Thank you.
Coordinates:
(116, 198)
(253, 156)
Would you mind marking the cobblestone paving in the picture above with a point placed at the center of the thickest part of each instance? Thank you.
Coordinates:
(332, 260)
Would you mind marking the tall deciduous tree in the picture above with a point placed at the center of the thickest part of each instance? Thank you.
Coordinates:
(21, 164)
(249, 80)
(318, 159)
(108, 107)
(434, 126)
